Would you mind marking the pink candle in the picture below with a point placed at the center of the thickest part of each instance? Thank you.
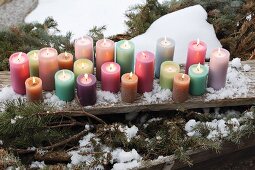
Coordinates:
(48, 66)
(144, 69)
(110, 77)
(84, 48)
(196, 53)
(19, 68)
(104, 53)
(218, 68)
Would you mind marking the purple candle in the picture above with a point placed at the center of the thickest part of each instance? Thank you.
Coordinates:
(86, 89)
(218, 68)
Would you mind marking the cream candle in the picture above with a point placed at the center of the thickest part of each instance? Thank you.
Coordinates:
(33, 63)
(48, 66)
(33, 89)
(84, 48)
(104, 53)
(110, 77)
(82, 66)
(19, 70)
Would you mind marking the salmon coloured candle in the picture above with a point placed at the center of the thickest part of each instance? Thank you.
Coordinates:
(196, 53)
(129, 82)
(110, 77)
(104, 53)
(218, 68)
(82, 66)
(65, 61)
(19, 70)
(83, 48)
(164, 52)
(167, 72)
(86, 89)
(125, 56)
(144, 69)
(48, 66)
(34, 89)
(198, 79)
(33, 63)
(181, 87)
(64, 81)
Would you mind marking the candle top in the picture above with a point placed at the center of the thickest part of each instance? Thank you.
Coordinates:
(64, 75)
(170, 67)
(65, 56)
(33, 82)
(18, 58)
(85, 81)
(182, 78)
(166, 42)
(145, 56)
(125, 44)
(221, 53)
(198, 70)
(84, 40)
(110, 67)
(105, 43)
(83, 63)
(198, 45)
(129, 78)
(48, 53)
(33, 55)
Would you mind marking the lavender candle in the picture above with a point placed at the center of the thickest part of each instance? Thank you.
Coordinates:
(86, 89)
(218, 68)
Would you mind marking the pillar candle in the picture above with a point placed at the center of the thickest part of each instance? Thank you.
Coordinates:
(82, 66)
(33, 63)
(129, 84)
(168, 70)
(48, 66)
(84, 48)
(34, 89)
(65, 61)
(164, 52)
(144, 69)
(104, 53)
(19, 70)
(218, 68)
(198, 79)
(125, 56)
(110, 77)
(181, 87)
(64, 81)
(196, 54)
(86, 89)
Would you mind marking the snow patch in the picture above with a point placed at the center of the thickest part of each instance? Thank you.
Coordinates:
(37, 164)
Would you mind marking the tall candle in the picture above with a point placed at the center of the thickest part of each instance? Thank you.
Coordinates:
(218, 68)
(196, 53)
(181, 87)
(48, 66)
(82, 66)
(86, 89)
(110, 77)
(33, 89)
(65, 61)
(125, 56)
(64, 81)
(33, 63)
(164, 52)
(104, 53)
(144, 69)
(129, 82)
(84, 48)
(198, 79)
(167, 72)
(19, 69)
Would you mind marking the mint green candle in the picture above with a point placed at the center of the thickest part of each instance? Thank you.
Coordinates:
(125, 56)
(33, 63)
(198, 79)
(64, 84)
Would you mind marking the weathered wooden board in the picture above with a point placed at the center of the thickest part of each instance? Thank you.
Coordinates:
(138, 105)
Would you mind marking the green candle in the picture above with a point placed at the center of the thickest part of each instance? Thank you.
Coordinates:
(33, 63)
(168, 70)
(82, 66)
(198, 79)
(125, 56)
(64, 85)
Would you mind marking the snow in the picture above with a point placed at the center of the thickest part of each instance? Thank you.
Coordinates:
(125, 166)
(248, 17)
(131, 132)
(190, 125)
(182, 26)
(106, 97)
(121, 156)
(246, 67)
(236, 62)
(1, 142)
(38, 164)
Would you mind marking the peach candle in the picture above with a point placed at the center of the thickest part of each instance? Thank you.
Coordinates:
(129, 82)
(65, 61)
(33, 89)
(181, 87)
(84, 48)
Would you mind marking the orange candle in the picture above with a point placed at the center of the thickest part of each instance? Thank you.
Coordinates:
(33, 89)
(129, 83)
(65, 61)
(181, 87)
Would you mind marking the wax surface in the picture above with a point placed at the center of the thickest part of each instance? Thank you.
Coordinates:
(65, 61)
(129, 84)
(82, 66)
(181, 87)
(33, 63)
(84, 48)
(33, 89)
(110, 77)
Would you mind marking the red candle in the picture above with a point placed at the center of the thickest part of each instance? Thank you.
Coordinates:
(196, 54)
(144, 69)
(65, 61)
(19, 68)
(110, 77)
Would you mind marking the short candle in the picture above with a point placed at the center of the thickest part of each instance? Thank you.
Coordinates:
(181, 87)
(198, 79)
(129, 82)
(33, 89)
(19, 70)
(64, 81)
(82, 66)
(33, 63)
(167, 72)
(83, 48)
(65, 61)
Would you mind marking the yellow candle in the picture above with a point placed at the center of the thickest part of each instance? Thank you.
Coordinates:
(82, 66)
